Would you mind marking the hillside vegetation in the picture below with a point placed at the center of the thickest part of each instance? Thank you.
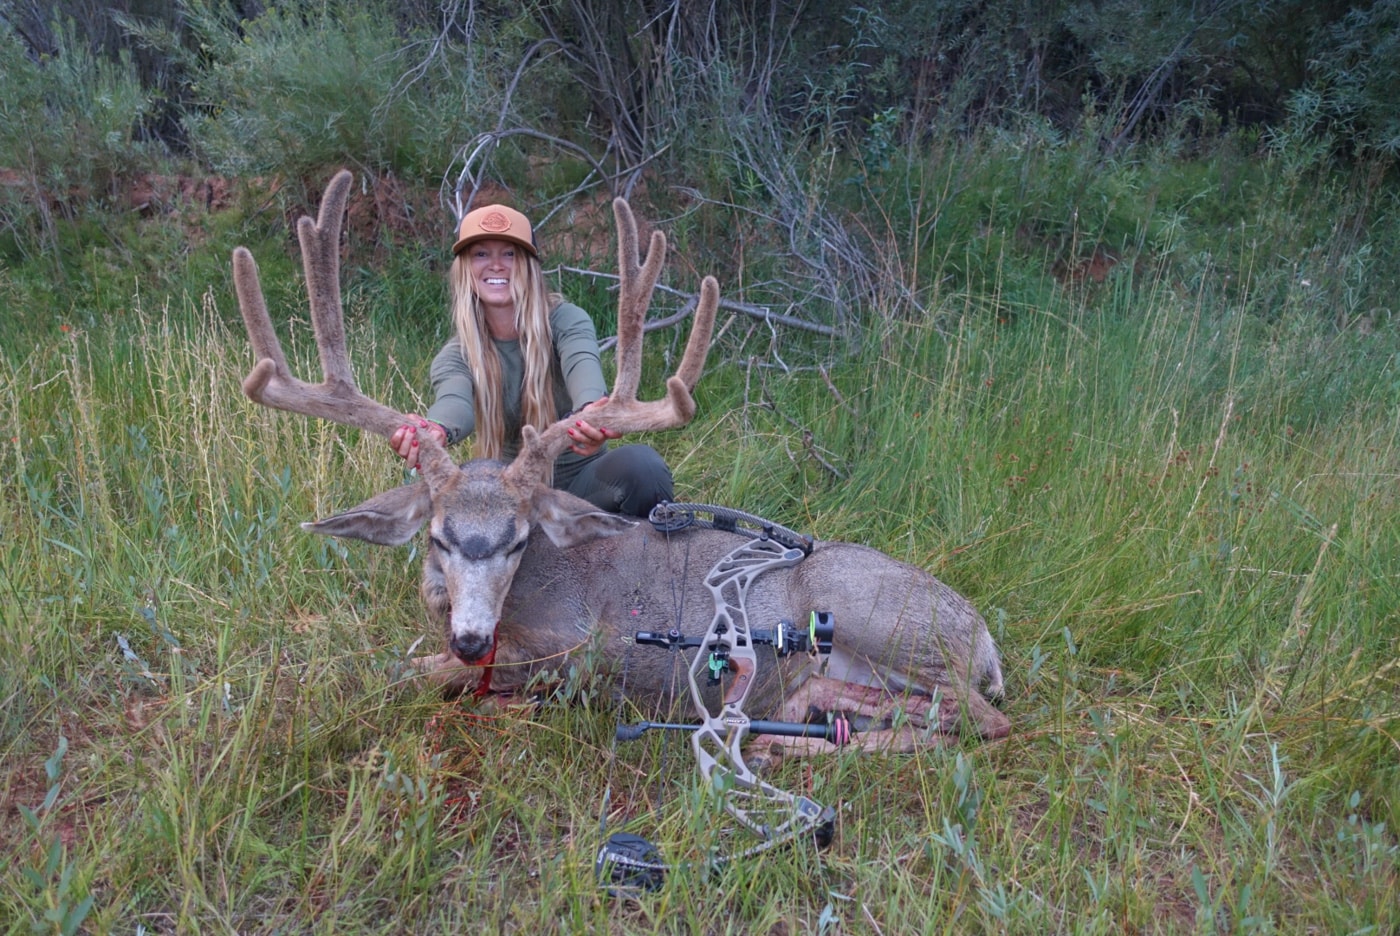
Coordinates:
(1088, 309)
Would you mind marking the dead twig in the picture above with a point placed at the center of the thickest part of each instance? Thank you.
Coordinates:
(761, 313)
(841, 400)
(809, 443)
(656, 324)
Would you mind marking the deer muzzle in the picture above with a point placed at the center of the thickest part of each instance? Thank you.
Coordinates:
(473, 649)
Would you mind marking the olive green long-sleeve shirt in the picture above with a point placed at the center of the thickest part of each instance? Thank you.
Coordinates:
(578, 381)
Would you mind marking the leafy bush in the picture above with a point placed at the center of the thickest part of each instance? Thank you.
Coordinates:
(1355, 75)
(67, 132)
(304, 87)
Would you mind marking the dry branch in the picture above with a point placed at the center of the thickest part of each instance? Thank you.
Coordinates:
(761, 313)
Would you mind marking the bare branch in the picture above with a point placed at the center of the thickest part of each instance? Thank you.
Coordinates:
(761, 313)
(437, 48)
(809, 443)
(674, 318)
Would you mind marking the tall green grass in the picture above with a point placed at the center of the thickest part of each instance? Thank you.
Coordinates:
(1177, 517)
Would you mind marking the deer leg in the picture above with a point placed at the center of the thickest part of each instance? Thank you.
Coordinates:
(873, 710)
(903, 740)
(950, 712)
(453, 677)
(868, 707)
(983, 717)
(823, 694)
(955, 713)
(444, 670)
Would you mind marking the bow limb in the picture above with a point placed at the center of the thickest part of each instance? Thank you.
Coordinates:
(772, 814)
(727, 654)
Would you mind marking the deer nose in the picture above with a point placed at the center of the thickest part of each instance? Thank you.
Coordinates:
(472, 649)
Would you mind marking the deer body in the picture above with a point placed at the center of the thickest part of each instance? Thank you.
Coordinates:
(525, 578)
(897, 627)
(505, 592)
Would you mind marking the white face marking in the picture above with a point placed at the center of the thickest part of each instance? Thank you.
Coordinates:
(477, 574)
(478, 589)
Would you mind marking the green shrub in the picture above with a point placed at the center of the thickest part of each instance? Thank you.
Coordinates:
(68, 125)
(303, 87)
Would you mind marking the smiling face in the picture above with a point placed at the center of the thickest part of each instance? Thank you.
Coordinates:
(493, 267)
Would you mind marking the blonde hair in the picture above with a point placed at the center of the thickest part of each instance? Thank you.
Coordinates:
(533, 303)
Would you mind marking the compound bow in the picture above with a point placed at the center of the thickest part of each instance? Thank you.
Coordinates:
(726, 657)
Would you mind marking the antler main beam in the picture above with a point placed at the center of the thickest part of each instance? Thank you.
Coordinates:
(338, 398)
(270, 382)
(623, 412)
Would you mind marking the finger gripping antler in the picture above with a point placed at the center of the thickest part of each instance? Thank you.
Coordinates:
(623, 412)
(270, 383)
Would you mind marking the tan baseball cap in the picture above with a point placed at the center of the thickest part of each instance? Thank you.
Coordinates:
(495, 222)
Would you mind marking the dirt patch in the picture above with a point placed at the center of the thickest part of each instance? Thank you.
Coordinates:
(385, 211)
(1091, 269)
(152, 194)
(24, 781)
(146, 193)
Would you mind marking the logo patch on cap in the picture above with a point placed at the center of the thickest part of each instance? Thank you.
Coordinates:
(495, 222)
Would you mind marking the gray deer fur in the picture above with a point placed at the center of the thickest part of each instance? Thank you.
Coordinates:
(528, 578)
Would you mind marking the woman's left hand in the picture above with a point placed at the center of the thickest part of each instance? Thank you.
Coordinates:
(588, 438)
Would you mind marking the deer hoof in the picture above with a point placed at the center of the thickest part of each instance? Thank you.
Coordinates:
(766, 760)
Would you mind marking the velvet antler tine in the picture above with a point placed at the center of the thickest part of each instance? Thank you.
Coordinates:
(320, 251)
(248, 288)
(538, 450)
(270, 383)
(697, 347)
(628, 353)
(636, 281)
(623, 412)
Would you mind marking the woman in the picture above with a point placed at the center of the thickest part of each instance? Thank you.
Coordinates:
(524, 355)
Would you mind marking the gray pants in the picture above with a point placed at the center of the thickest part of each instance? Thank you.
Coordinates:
(629, 479)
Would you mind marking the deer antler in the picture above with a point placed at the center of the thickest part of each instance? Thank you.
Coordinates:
(270, 382)
(623, 412)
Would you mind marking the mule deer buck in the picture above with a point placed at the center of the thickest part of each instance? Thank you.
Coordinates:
(522, 576)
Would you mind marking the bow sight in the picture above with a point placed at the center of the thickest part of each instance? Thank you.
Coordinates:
(785, 638)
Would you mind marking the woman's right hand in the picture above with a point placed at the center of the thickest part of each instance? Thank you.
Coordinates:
(404, 441)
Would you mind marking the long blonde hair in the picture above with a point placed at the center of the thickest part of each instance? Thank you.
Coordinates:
(533, 303)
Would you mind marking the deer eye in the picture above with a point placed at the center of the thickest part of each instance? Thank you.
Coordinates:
(519, 545)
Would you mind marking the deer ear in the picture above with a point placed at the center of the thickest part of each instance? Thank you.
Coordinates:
(388, 519)
(571, 521)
